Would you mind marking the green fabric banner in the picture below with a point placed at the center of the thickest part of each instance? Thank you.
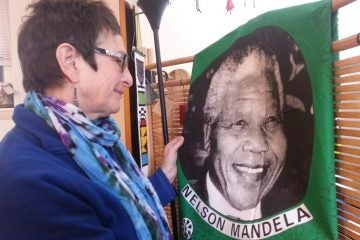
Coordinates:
(258, 156)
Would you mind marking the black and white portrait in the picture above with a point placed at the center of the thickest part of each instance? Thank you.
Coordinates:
(6, 95)
(249, 127)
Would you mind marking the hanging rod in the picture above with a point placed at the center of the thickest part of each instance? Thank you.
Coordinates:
(337, 45)
(172, 62)
(173, 83)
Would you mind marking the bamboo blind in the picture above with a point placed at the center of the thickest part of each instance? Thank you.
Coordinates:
(346, 73)
(176, 95)
(346, 76)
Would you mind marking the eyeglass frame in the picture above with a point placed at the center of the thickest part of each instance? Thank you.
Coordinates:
(120, 57)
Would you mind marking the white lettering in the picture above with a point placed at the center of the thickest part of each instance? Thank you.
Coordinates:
(240, 230)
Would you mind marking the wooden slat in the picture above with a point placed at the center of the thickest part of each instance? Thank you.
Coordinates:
(348, 174)
(348, 207)
(347, 132)
(351, 229)
(348, 150)
(343, 237)
(347, 162)
(346, 166)
(345, 230)
(354, 185)
(348, 200)
(350, 96)
(347, 123)
(347, 62)
(348, 216)
(347, 105)
(337, 46)
(347, 114)
(347, 88)
(173, 83)
(348, 192)
(347, 79)
(345, 43)
(171, 62)
(178, 95)
(348, 142)
(337, 4)
(347, 70)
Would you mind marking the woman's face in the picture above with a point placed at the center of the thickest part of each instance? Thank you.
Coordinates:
(250, 142)
(100, 92)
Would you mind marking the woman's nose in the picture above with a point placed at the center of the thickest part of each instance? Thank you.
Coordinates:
(127, 78)
(256, 142)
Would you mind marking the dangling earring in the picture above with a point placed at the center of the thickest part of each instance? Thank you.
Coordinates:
(75, 99)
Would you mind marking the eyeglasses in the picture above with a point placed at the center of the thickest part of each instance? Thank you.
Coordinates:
(120, 57)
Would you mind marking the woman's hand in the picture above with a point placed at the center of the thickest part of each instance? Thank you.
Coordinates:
(168, 165)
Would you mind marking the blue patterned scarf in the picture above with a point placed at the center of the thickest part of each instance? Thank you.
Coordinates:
(88, 141)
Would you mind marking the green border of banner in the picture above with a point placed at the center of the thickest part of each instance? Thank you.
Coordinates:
(315, 30)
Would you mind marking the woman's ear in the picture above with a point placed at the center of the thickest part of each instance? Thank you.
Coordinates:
(67, 57)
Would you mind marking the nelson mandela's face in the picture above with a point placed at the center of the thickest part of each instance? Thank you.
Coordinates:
(250, 141)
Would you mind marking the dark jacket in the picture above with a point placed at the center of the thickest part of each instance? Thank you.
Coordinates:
(45, 195)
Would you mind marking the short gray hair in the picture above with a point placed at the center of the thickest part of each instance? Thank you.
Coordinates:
(218, 87)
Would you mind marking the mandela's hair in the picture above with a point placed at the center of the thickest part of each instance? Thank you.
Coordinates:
(219, 85)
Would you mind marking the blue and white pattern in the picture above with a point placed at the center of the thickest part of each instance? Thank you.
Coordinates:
(89, 143)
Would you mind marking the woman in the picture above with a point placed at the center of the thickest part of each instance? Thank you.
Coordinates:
(64, 173)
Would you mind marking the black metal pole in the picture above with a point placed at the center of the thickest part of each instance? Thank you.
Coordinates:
(164, 119)
(161, 87)
(153, 10)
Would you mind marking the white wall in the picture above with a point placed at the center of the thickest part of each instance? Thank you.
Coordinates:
(349, 24)
(13, 74)
(185, 31)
